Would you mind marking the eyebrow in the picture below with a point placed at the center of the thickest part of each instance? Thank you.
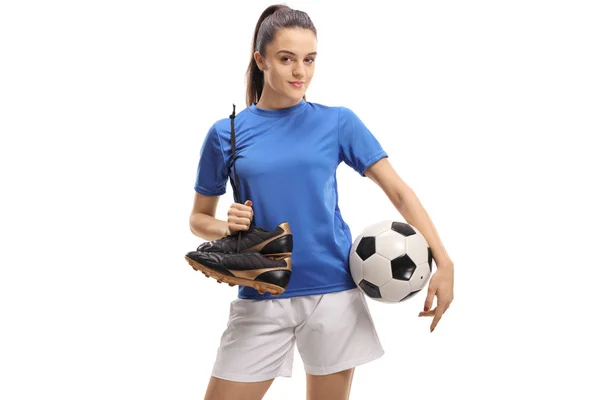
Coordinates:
(314, 53)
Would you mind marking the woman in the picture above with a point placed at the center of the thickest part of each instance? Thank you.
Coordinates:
(286, 154)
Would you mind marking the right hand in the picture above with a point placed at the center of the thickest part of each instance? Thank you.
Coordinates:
(239, 217)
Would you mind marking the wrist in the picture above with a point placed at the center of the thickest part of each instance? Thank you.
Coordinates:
(445, 265)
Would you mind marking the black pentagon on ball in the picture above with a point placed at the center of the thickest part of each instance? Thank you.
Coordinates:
(403, 228)
(403, 268)
(370, 289)
(366, 247)
(429, 257)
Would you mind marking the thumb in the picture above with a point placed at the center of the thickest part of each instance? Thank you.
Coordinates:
(248, 203)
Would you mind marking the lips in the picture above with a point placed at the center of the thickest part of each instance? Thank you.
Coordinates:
(297, 84)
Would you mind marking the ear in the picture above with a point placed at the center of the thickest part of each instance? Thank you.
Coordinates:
(260, 61)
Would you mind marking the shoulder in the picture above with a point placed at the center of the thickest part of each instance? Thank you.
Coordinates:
(346, 113)
(322, 107)
(222, 126)
(339, 112)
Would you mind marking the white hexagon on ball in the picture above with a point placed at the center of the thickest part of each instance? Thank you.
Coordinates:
(374, 270)
(395, 290)
(390, 244)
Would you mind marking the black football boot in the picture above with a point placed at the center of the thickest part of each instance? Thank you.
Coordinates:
(276, 244)
(249, 268)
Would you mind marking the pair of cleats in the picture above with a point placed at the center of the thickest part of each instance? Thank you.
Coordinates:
(255, 258)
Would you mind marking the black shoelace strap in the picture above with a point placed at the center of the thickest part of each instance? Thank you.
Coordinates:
(235, 182)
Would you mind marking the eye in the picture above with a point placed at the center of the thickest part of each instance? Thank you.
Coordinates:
(312, 60)
(285, 58)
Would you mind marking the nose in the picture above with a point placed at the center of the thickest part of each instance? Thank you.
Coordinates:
(298, 71)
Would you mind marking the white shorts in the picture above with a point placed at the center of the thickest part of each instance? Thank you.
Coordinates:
(333, 331)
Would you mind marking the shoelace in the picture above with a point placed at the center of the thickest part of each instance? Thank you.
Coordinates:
(238, 235)
(235, 184)
(239, 241)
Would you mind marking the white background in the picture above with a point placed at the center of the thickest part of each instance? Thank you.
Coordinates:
(488, 110)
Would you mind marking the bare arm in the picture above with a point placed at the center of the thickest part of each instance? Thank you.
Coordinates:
(202, 218)
(406, 202)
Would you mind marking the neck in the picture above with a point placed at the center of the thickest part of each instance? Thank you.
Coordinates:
(272, 101)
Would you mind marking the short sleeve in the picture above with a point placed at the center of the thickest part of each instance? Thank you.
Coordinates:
(212, 173)
(358, 146)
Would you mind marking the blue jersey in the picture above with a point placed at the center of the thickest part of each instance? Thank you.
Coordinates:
(286, 164)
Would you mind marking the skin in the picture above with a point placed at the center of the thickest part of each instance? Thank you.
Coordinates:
(279, 69)
(404, 199)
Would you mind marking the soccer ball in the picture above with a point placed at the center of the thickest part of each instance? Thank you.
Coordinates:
(390, 261)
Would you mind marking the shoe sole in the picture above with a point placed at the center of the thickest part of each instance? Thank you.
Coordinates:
(261, 287)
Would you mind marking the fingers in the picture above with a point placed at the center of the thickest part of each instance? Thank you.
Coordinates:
(429, 299)
(436, 318)
(446, 307)
(246, 204)
(238, 224)
(240, 216)
(233, 213)
(236, 228)
(242, 210)
(245, 222)
(436, 313)
(237, 207)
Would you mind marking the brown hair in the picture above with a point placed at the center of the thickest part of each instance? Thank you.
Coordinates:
(271, 20)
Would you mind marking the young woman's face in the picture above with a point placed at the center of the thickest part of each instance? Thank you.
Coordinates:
(289, 64)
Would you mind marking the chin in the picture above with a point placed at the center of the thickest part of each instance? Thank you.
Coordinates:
(295, 98)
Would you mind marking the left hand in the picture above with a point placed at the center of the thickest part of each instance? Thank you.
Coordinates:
(442, 286)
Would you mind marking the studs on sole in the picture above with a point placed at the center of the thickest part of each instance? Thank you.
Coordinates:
(261, 287)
